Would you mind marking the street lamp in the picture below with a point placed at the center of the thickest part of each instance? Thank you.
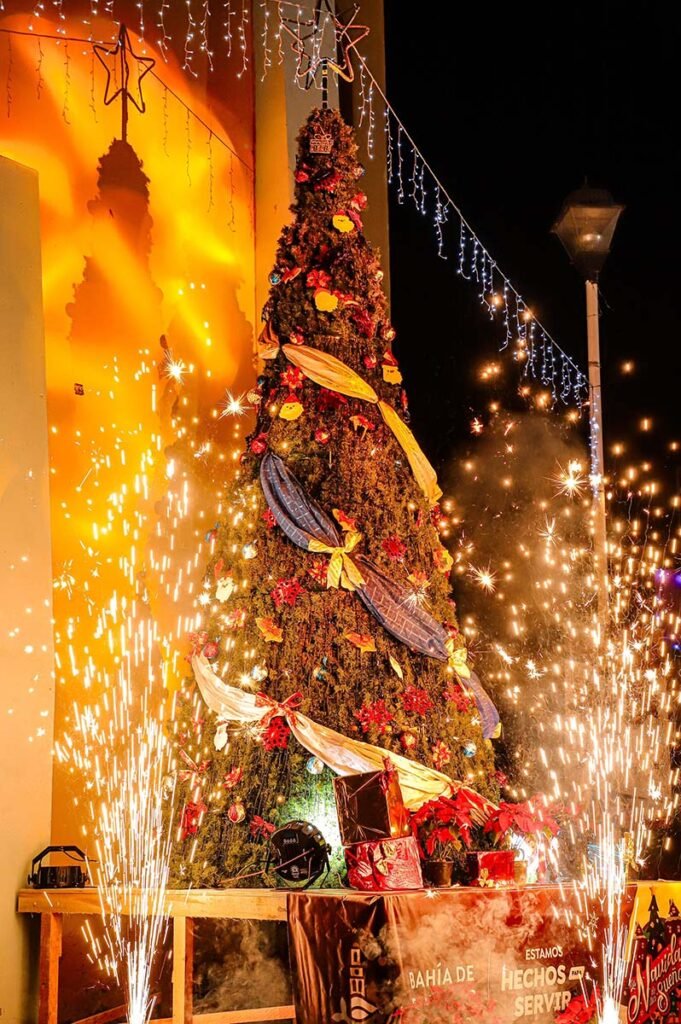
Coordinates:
(585, 226)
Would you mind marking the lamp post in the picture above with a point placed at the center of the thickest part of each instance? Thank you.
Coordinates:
(585, 226)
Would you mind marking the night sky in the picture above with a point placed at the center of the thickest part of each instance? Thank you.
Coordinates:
(513, 104)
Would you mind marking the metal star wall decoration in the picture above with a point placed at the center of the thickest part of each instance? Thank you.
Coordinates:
(347, 36)
(119, 70)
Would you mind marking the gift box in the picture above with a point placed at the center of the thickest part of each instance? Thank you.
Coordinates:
(370, 807)
(490, 868)
(384, 865)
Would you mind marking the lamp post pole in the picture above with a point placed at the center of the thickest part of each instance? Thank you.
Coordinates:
(585, 227)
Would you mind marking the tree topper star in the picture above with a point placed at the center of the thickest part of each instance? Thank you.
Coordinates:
(117, 65)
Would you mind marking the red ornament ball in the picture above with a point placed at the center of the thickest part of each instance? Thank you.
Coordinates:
(236, 812)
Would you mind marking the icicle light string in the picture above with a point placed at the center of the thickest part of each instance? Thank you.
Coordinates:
(9, 32)
(544, 360)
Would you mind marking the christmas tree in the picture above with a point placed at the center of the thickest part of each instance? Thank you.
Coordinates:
(351, 618)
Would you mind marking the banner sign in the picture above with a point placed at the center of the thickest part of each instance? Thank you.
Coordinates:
(486, 955)
(653, 986)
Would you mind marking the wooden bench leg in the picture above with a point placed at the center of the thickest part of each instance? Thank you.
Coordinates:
(183, 970)
(50, 953)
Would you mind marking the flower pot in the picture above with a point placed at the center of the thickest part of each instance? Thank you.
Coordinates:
(438, 873)
(490, 868)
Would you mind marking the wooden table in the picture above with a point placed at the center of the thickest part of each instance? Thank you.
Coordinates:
(183, 907)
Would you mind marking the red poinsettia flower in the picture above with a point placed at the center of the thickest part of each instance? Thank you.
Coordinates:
(523, 818)
(358, 201)
(232, 778)
(375, 713)
(259, 444)
(276, 735)
(268, 519)
(286, 591)
(317, 279)
(292, 378)
(394, 548)
(365, 323)
(416, 700)
(461, 700)
(259, 827)
(302, 174)
(192, 815)
(330, 400)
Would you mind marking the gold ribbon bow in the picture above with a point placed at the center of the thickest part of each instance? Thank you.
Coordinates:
(458, 659)
(342, 570)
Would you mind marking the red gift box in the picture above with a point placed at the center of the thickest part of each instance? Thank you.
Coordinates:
(384, 865)
(370, 807)
(490, 868)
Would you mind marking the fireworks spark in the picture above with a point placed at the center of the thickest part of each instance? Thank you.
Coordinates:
(232, 405)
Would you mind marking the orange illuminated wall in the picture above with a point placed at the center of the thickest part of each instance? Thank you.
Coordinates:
(148, 255)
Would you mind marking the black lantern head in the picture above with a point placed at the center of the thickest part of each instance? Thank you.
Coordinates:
(585, 226)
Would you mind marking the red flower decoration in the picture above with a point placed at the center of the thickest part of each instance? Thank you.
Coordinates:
(259, 444)
(394, 548)
(460, 699)
(287, 591)
(416, 700)
(318, 279)
(211, 650)
(365, 323)
(358, 201)
(319, 571)
(232, 778)
(276, 735)
(291, 274)
(327, 183)
(302, 174)
(259, 827)
(330, 400)
(376, 714)
(268, 519)
(441, 754)
(192, 815)
(236, 619)
(197, 641)
(292, 378)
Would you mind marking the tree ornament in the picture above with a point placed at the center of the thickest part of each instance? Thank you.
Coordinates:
(250, 551)
(296, 338)
(224, 588)
(388, 332)
(371, 362)
(232, 778)
(236, 812)
(470, 749)
(343, 223)
(416, 700)
(321, 142)
(280, 800)
(276, 735)
(322, 436)
(394, 548)
(291, 274)
(391, 374)
(291, 408)
(211, 650)
(292, 378)
(396, 667)
(274, 277)
(374, 714)
(315, 766)
(441, 754)
(258, 673)
(254, 397)
(259, 444)
(268, 519)
(408, 741)
(211, 534)
(325, 301)
(272, 633)
(364, 641)
(286, 591)
(317, 278)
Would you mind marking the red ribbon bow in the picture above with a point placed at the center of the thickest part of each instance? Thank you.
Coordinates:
(285, 709)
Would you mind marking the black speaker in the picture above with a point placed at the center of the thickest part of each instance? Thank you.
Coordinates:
(298, 853)
(63, 876)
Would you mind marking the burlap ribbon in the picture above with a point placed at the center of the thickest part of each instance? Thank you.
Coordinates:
(329, 372)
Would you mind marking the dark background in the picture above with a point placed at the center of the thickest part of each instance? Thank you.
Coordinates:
(513, 104)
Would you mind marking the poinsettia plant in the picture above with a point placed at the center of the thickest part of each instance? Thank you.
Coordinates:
(526, 819)
(444, 827)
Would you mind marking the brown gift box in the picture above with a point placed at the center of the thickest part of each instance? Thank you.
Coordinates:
(370, 807)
